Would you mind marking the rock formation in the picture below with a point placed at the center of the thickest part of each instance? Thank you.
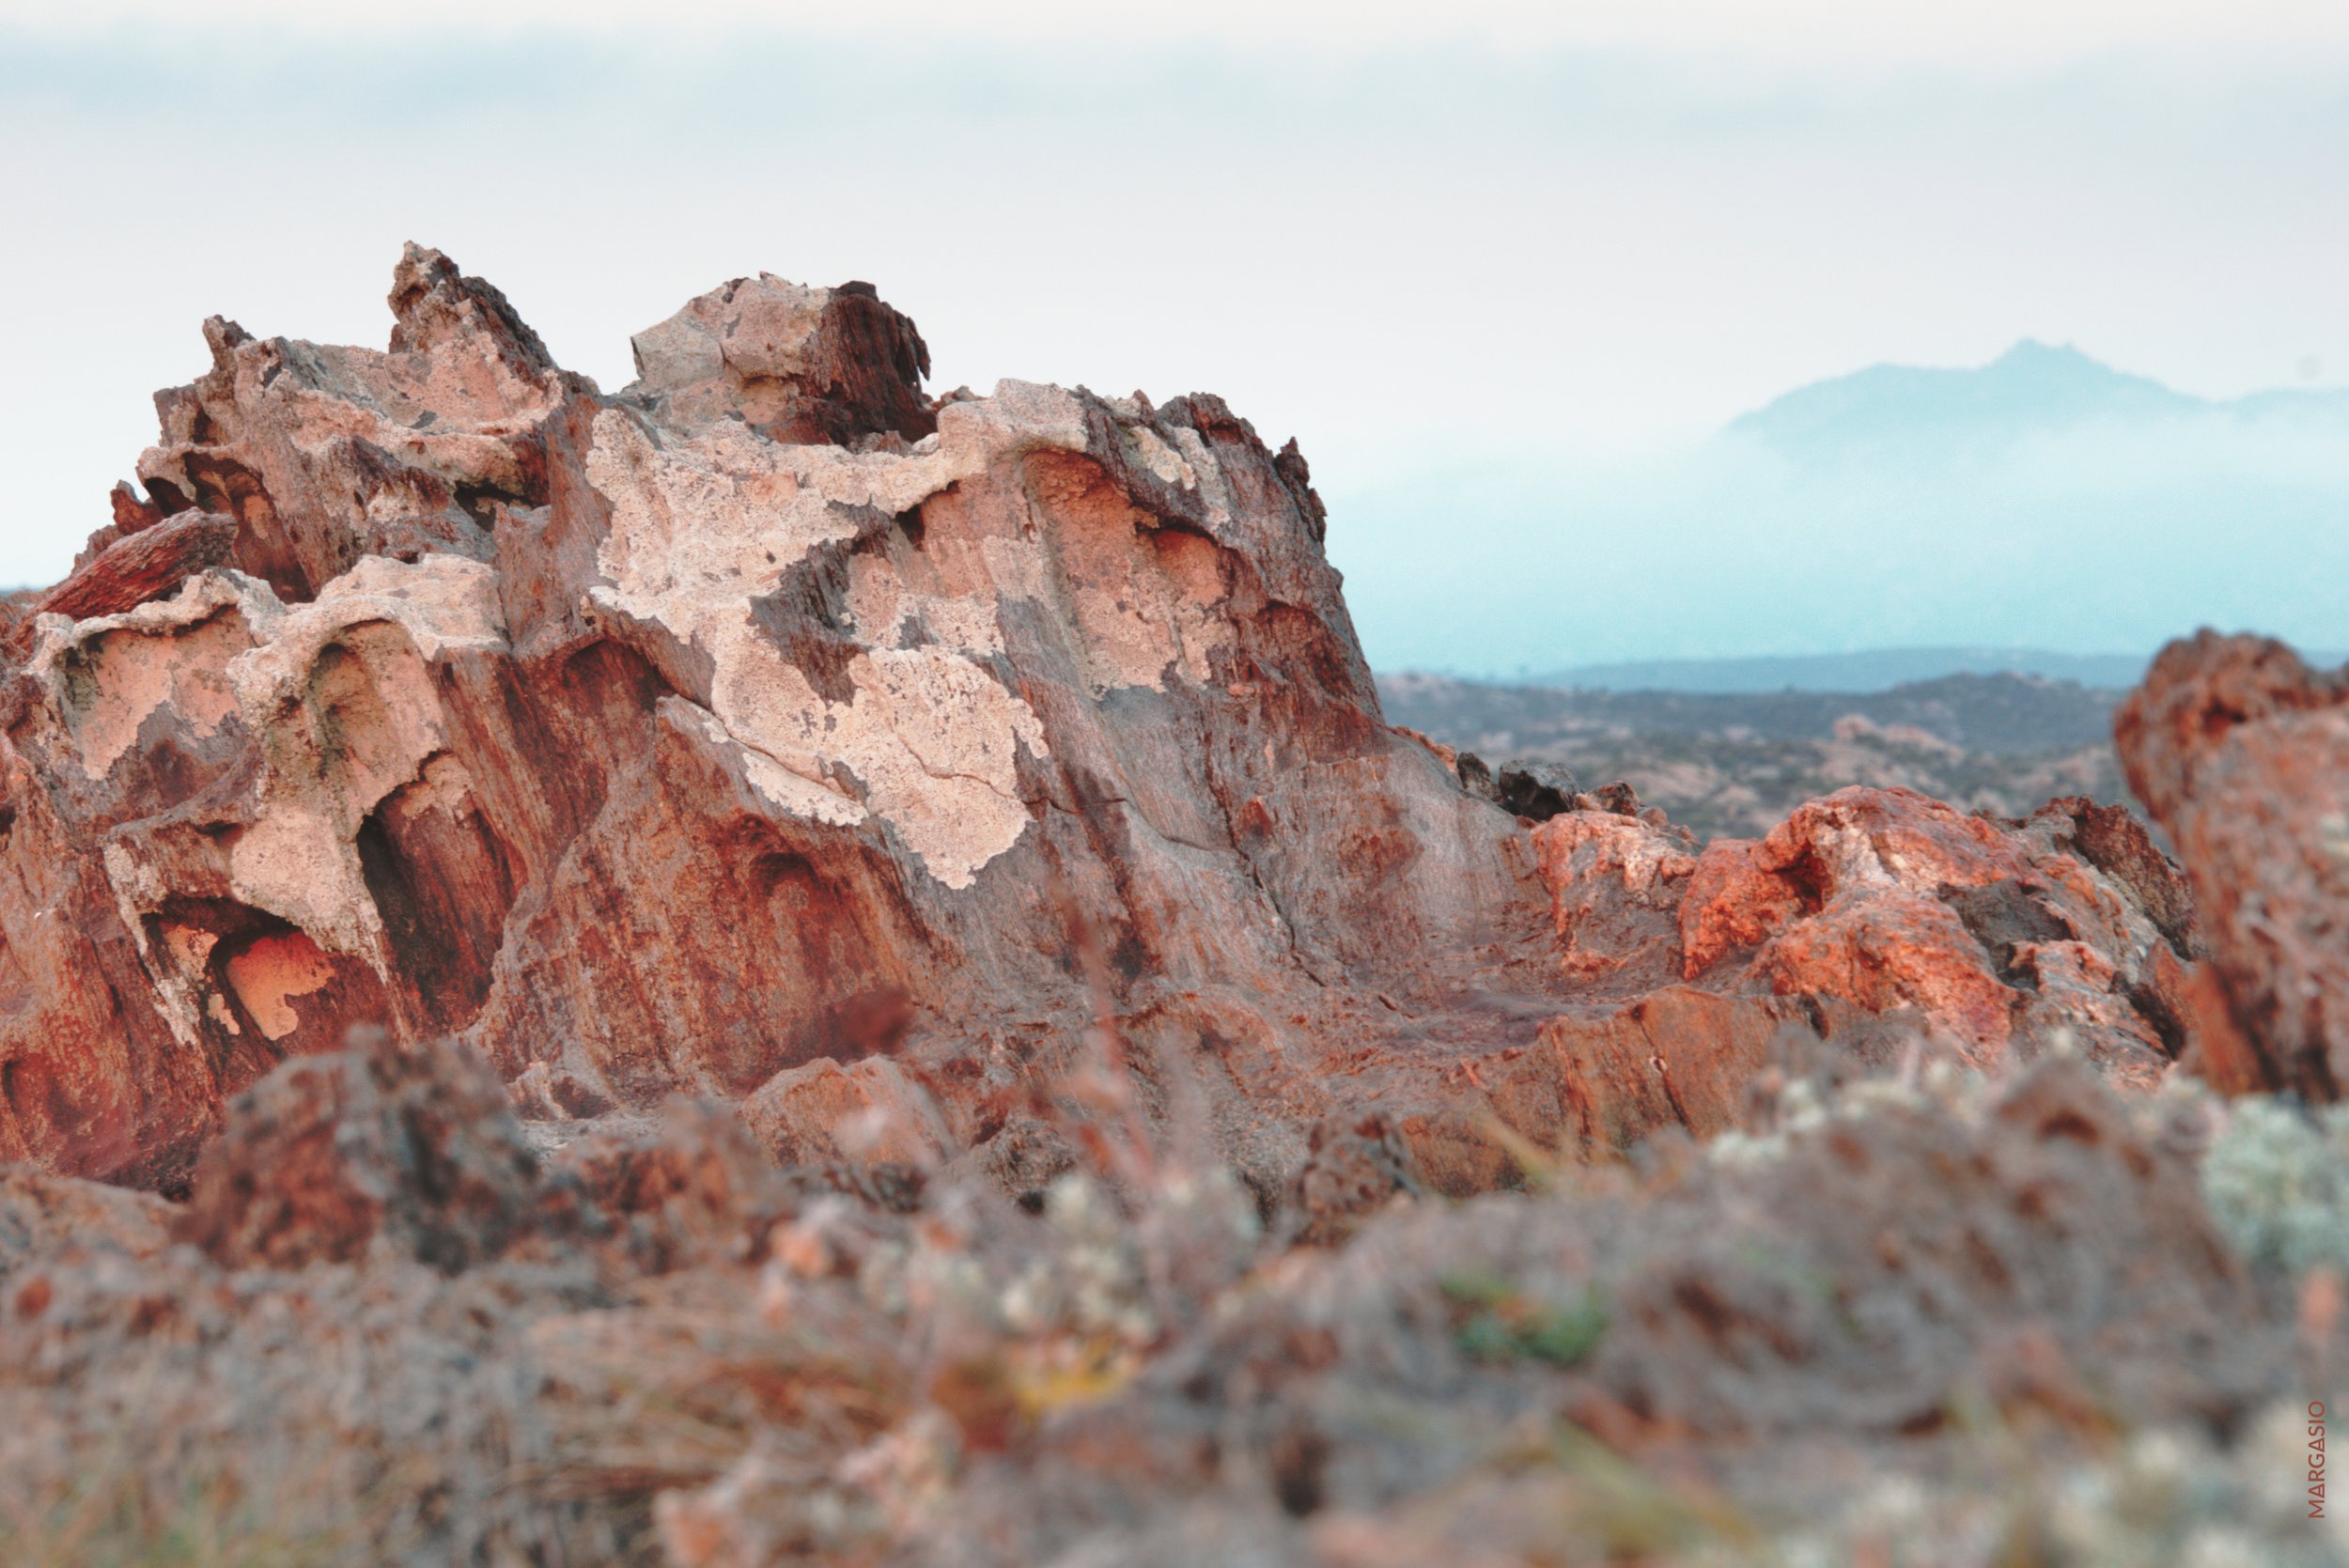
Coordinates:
(2242, 753)
(767, 969)
(770, 731)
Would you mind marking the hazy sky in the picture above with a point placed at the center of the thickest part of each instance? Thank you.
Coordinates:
(1523, 235)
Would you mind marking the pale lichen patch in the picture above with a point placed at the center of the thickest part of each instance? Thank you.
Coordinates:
(345, 699)
(702, 527)
(885, 609)
(933, 736)
(783, 789)
(930, 735)
(134, 673)
(717, 515)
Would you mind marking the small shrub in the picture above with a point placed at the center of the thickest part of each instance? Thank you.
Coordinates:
(1494, 1322)
(2277, 1179)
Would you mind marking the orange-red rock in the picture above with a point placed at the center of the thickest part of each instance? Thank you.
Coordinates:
(2241, 752)
(1994, 937)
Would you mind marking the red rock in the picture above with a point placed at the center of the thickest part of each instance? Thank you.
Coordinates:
(2111, 839)
(1616, 884)
(1678, 1058)
(145, 565)
(1887, 949)
(867, 1111)
(2241, 753)
(1897, 903)
(409, 1147)
(767, 731)
(1853, 839)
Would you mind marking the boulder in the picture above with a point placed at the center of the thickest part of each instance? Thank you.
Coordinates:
(409, 1148)
(2241, 752)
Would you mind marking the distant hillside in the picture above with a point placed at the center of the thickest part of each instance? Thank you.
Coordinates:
(1734, 763)
(2002, 714)
(1871, 670)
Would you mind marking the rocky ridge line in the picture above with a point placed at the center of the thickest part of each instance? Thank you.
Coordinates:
(771, 731)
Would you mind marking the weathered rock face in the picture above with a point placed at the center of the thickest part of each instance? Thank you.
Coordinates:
(763, 713)
(2242, 753)
(765, 719)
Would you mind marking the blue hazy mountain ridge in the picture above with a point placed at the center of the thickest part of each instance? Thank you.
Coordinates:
(2033, 389)
(1914, 521)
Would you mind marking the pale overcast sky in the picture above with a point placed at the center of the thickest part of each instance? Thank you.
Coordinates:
(1412, 236)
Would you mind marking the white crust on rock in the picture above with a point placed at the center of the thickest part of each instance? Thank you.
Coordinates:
(168, 652)
(704, 525)
(345, 702)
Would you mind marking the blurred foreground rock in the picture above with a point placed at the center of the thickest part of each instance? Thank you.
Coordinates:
(2242, 753)
(771, 969)
(398, 1336)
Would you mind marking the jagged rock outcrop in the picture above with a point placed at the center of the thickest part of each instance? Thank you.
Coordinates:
(766, 969)
(2004, 935)
(2241, 752)
(770, 731)
(761, 714)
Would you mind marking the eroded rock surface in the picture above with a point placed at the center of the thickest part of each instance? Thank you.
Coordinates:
(770, 731)
(1881, 920)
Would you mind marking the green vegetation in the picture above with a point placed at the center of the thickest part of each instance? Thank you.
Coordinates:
(1494, 1322)
(2278, 1181)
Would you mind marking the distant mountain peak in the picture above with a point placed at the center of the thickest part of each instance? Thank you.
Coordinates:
(2034, 387)
(2028, 350)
